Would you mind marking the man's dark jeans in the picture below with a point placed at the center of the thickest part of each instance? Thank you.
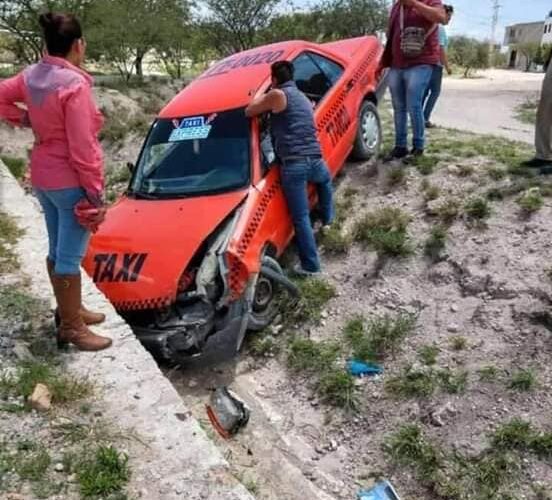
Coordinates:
(296, 174)
(433, 92)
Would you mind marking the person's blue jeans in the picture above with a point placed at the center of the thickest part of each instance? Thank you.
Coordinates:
(433, 91)
(67, 239)
(408, 87)
(296, 174)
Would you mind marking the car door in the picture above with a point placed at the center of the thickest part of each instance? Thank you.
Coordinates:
(322, 80)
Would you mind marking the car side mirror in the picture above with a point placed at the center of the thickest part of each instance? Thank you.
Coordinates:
(130, 167)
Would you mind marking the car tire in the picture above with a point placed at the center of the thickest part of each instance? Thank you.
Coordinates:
(265, 305)
(369, 135)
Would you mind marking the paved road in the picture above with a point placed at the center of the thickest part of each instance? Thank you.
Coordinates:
(487, 105)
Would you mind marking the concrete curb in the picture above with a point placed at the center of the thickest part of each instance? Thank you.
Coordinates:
(180, 461)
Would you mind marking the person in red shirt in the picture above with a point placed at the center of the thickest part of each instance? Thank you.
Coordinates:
(411, 53)
(54, 99)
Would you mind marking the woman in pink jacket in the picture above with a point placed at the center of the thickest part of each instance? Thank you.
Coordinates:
(54, 98)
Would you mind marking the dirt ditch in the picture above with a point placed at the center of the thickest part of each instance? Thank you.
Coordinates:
(481, 312)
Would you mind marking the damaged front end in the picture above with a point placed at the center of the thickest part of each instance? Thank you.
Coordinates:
(206, 321)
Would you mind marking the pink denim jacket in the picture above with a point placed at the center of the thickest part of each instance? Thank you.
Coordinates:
(65, 122)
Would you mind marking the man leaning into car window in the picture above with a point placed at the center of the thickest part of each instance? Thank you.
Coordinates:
(298, 149)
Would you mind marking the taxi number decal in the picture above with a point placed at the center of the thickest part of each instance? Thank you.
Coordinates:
(228, 65)
(338, 127)
(130, 266)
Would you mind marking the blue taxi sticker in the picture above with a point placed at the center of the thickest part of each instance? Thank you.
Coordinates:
(190, 128)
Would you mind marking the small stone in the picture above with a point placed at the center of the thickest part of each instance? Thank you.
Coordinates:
(72, 478)
(59, 467)
(192, 383)
(453, 328)
(277, 329)
(22, 352)
(454, 308)
(41, 398)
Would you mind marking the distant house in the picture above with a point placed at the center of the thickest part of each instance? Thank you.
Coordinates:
(539, 32)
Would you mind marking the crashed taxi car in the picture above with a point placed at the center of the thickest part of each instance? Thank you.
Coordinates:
(188, 256)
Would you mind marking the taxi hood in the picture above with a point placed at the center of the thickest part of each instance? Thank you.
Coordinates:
(142, 248)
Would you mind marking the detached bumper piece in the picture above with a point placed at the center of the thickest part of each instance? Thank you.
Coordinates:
(227, 413)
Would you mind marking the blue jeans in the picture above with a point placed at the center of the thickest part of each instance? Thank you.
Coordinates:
(67, 239)
(408, 87)
(433, 91)
(295, 175)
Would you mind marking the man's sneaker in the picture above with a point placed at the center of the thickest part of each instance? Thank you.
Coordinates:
(397, 153)
(429, 124)
(536, 163)
(303, 273)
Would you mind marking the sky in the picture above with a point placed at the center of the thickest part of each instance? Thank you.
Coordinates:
(473, 17)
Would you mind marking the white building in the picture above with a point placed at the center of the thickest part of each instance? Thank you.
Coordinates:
(539, 32)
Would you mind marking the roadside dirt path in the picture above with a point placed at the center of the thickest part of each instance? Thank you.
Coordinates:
(486, 105)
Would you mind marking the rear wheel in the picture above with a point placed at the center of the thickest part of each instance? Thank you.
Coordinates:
(369, 135)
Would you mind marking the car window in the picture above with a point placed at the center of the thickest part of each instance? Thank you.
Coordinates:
(332, 70)
(310, 79)
(268, 156)
(195, 155)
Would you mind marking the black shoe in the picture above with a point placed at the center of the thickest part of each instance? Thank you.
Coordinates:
(536, 163)
(397, 153)
(546, 170)
(413, 156)
(430, 124)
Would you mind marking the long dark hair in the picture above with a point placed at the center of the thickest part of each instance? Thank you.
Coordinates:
(60, 32)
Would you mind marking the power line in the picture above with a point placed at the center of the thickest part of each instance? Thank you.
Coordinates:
(494, 25)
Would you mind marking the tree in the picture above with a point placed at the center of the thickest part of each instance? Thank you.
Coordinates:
(124, 31)
(468, 53)
(20, 19)
(234, 25)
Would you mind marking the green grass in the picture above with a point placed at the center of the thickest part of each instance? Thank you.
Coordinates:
(315, 293)
(308, 355)
(531, 201)
(426, 163)
(106, 472)
(458, 343)
(378, 337)
(319, 360)
(488, 374)
(335, 241)
(9, 235)
(19, 305)
(430, 192)
(413, 383)
(436, 243)
(448, 210)
(64, 388)
(384, 230)
(453, 382)
(477, 208)
(395, 177)
(428, 354)
(526, 112)
(520, 435)
(17, 166)
(451, 475)
(31, 461)
(465, 170)
(337, 387)
(497, 173)
(262, 345)
(523, 380)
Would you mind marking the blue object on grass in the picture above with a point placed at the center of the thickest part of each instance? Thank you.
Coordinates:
(382, 491)
(359, 369)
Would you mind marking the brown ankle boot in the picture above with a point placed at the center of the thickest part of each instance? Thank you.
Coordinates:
(89, 317)
(72, 328)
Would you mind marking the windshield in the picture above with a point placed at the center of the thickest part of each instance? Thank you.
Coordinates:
(195, 155)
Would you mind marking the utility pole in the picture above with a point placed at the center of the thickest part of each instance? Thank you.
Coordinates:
(494, 25)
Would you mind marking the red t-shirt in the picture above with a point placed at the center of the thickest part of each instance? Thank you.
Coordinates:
(412, 18)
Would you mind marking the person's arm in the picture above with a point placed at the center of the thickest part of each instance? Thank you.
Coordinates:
(85, 155)
(444, 60)
(435, 14)
(12, 92)
(273, 101)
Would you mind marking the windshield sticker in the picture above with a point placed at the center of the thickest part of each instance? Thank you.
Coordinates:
(191, 128)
